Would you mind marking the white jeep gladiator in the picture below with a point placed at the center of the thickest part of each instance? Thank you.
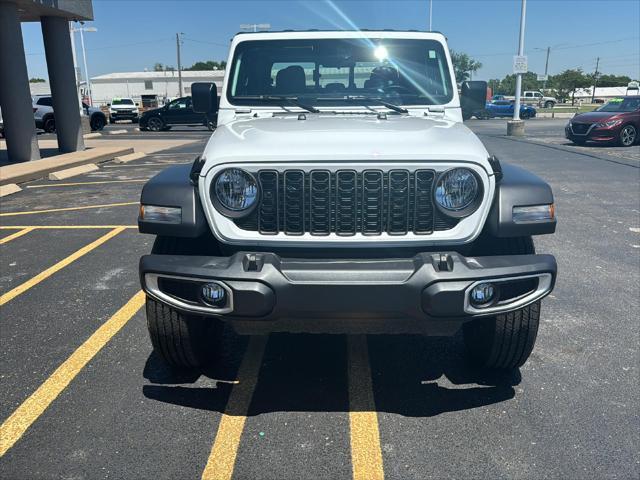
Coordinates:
(342, 193)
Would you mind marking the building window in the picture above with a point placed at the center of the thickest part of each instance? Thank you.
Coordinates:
(148, 85)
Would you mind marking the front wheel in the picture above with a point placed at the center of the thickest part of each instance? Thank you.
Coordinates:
(504, 341)
(627, 136)
(182, 341)
(49, 125)
(549, 104)
(155, 124)
(97, 123)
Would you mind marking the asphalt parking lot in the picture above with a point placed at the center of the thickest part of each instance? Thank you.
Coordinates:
(82, 395)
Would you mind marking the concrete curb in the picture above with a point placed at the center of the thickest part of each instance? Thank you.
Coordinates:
(91, 135)
(555, 115)
(26, 171)
(72, 172)
(117, 132)
(9, 189)
(129, 158)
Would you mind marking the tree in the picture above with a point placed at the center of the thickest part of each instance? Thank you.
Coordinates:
(208, 65)
(568, 81)
(37, 80)
(611, 80)
(507, 85)
(464, 66)
(158, 67)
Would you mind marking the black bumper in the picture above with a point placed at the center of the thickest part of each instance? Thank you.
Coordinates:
(427, 293)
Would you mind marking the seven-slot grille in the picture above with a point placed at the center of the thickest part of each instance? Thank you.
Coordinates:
(346, 202)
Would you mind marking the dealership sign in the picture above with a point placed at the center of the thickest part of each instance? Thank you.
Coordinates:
(520, 64)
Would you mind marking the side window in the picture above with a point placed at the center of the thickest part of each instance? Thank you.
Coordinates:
(178, 104)
(537, 95)
(334, 77)
(46, 101)
(528, 94)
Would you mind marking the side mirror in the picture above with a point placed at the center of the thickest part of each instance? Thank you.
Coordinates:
(473, 97)
(204, 97)
(137, 104)
(108, 104)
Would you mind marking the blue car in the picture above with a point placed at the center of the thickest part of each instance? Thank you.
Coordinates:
(504, 108)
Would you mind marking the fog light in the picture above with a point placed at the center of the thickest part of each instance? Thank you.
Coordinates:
(213, 294)
(483, 294)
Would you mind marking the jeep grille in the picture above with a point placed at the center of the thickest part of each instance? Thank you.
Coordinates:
(346, 202)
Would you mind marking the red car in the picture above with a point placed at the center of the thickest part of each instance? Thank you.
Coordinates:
(616, 121)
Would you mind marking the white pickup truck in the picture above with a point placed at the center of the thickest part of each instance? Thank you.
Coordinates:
(534, 97)
(341, 192)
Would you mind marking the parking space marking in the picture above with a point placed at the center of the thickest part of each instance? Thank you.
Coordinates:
(67, 209)
(63, 227)
(223, 454)
(28, 412)
(161, 164)
(18, 234)
(76, 184)
(11, 294)
(366, 454)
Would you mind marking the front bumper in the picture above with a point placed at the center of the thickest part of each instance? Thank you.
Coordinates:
(428, 293)
(123, 116)
(593, 133)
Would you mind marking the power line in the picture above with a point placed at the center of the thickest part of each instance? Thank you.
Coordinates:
(206, 42)
(561, 48)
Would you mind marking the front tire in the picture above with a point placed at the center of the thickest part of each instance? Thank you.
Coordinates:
(155, 124)
(179, 340)
(49, 125)
(97, 123)
(503, 341)
(549, 104)
(627, 136)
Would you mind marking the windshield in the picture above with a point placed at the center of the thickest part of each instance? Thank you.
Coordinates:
(331, 72)
(621, 105)
(122, 101)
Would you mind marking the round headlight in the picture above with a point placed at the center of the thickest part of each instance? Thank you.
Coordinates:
(456, 191)
(236, 191)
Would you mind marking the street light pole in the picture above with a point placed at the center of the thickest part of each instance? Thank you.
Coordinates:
(75, 66)
(179, 65)
(546, 69)
(516, 108)
(86, 70)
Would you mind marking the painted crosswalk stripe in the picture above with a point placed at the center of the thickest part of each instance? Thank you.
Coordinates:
(366, 455)
(28, 412)
(223, 454)
(23, 287)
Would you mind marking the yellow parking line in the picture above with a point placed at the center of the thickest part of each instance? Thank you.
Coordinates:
(366, 455)
(32, 212)
(22, 232)
(222, 458)
(64, 227)
(28, 412)
(58, 266)
(75, 184)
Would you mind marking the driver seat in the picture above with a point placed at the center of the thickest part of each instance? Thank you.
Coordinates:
(290, 80)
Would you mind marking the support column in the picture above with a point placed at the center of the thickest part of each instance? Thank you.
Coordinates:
(15, 96)
(62, 78)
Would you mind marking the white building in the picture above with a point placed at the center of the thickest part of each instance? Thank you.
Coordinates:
(603, 93)
(145, 86)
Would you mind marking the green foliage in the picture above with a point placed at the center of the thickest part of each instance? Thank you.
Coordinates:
(159, 67)
(611, 80)
(37, 80)
(208, 65)
(464, 66)
(507, 86)
(566, 82)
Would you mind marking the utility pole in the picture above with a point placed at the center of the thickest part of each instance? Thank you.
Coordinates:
(75, 66)
(523, 13)
(430, 15)
(86, 70)
(179, 64)
(546, 69)
(595, 80)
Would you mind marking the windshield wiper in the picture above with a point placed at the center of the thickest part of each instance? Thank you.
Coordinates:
(291, 99)
(364, 98)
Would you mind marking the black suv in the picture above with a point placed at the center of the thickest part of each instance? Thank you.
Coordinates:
(177, 112)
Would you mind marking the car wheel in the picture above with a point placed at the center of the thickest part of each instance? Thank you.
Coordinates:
(503, 341)
(155, 124)
(97, 122)
(49, 125)
(549, 104)
(628, 136)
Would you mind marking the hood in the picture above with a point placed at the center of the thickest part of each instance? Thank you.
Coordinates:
(123, 107)
(152, 111)
(593, 117)
(343, 137)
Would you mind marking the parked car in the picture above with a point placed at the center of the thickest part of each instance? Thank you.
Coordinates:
(504, 108)
(123, 109)
(45, 119)
(616, 121)
(177, 112)
(372, 210)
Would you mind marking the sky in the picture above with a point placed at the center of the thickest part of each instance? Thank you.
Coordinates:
(135, 34)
